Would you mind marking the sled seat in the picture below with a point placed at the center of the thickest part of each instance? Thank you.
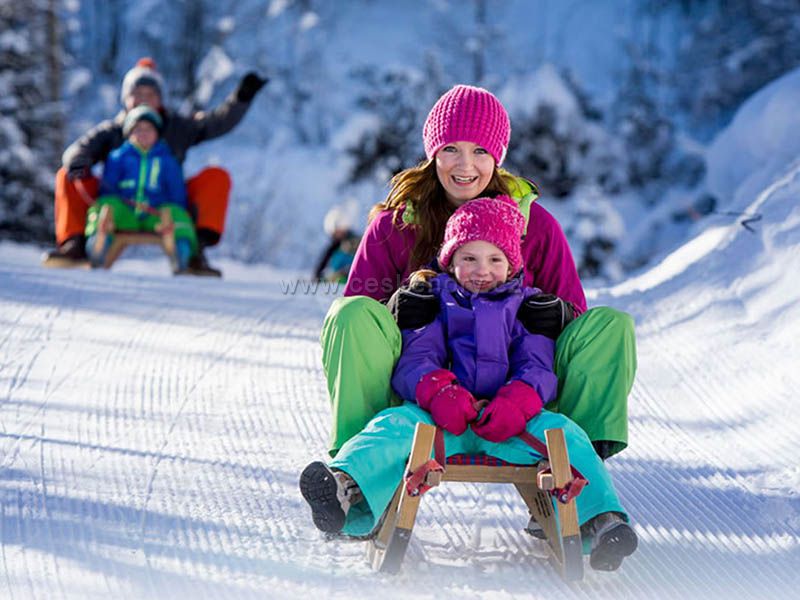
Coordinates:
(386, 550)
(123, 239)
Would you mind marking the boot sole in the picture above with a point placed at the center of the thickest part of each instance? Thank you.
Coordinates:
(318, 486)
(612, 547)
(64, 262)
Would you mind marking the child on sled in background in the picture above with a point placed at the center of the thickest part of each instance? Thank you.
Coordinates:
(140, 178)
(479, 375)
(335, 262)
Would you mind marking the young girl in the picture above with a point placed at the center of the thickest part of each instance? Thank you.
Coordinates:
(477, 373)
(139, 178)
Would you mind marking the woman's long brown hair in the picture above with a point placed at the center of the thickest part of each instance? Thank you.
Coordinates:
(420, 188)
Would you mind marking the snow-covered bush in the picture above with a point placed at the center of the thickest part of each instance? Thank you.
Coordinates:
(389, 140)
(30, 120)
(554, 141)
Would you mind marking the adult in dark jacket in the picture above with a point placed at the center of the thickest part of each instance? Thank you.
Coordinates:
(208, 190)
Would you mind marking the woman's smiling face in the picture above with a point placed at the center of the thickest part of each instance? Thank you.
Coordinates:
(464, 170)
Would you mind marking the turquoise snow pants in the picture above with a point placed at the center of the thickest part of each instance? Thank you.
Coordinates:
(595, 363)
(376, 459)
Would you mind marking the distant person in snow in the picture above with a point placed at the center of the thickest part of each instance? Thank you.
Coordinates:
(140, 179)
(208, 190)
(479, 375)
(334, 264)
(466, 136)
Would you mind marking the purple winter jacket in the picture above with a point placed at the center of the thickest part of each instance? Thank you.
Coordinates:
(477, 337)
(381, 263)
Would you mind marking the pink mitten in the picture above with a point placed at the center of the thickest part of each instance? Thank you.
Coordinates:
(508, 413)
(451, 406)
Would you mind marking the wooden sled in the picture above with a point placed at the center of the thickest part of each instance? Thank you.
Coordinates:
(388, 548)
(122, 239)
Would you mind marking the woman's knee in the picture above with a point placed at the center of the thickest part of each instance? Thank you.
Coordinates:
(610, 317)
(359, 313)
(552, 420)
(349, 308)
(399, 419)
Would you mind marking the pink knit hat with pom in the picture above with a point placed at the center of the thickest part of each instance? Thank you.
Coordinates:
(468, 114)
(494, 220)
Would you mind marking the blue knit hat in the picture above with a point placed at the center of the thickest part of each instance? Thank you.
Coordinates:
(141, 113)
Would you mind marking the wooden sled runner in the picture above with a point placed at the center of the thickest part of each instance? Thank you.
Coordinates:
(387, 549)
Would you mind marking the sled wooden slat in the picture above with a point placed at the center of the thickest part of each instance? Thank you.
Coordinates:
(376, 549)
(571, 546)
(388, 548)
(123, 239)
(486, 474)
(402, 522)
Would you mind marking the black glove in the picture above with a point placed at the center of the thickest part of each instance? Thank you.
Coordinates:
(249, 86)
(413, 307)
(78, 173)
(546, 314)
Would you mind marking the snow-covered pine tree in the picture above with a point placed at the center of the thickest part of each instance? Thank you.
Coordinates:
(728, 51)
(31, 130)
(560, 140)
(396, 102)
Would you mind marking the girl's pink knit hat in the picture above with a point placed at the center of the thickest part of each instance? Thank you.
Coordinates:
(468, 114)
(494, 220)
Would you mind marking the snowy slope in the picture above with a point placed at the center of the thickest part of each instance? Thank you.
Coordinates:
(152, 430)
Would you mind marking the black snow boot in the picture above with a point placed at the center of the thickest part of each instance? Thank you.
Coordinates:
(329, 494)
(612, 540)
(198, 265)
(73, 249)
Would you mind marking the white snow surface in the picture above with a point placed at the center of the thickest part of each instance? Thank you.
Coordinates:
(761, 139)
(152, 431)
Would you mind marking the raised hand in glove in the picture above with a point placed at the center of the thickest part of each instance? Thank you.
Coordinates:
(546, 314)
(452, 407)
(508, 412)
(249, 86)
(413, 306)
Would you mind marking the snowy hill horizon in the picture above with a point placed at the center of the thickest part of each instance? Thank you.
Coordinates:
(152, 428)
(613, 105)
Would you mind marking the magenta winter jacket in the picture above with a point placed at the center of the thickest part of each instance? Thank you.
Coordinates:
(381, 264)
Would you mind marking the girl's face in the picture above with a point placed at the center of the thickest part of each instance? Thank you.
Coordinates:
(464, 170)
(144, 134)
(480, 266)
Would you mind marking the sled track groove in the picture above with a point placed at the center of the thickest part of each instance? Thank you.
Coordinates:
(159, 455)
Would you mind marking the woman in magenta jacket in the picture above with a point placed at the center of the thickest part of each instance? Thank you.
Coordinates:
(466, 137)
(478, 375)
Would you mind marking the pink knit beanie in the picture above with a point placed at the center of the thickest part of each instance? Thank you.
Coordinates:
(494, 220)
(468, 114)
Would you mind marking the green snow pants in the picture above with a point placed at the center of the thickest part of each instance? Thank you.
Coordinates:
(127, 219)
(595, 363)
(376, 459)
